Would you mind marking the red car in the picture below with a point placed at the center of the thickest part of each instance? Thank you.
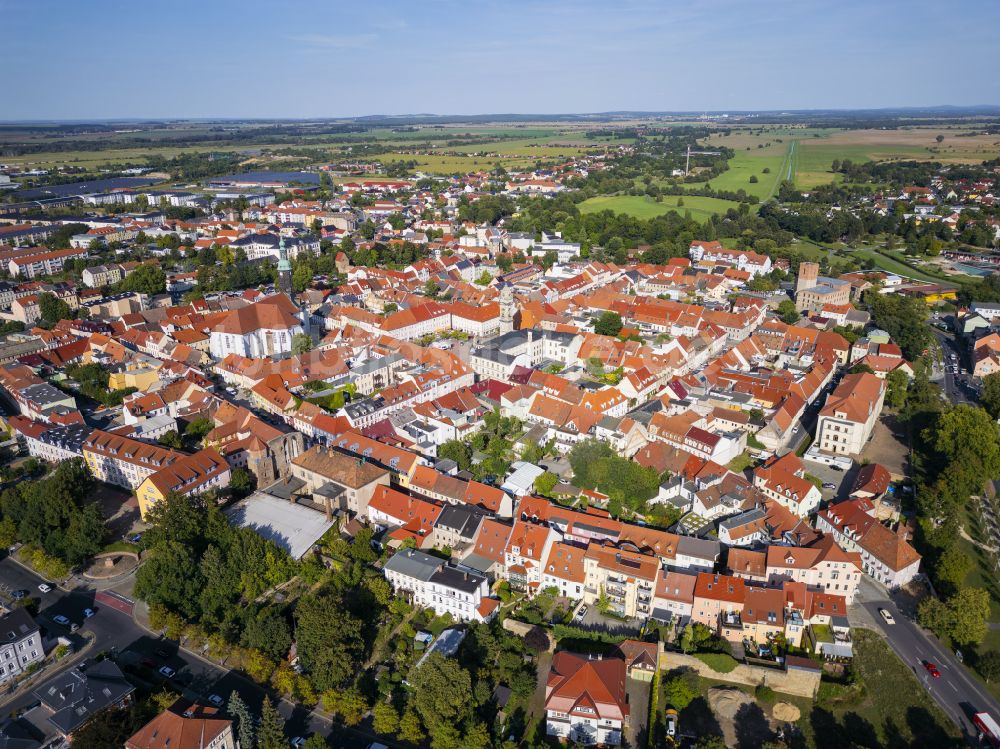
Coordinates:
(932, 669)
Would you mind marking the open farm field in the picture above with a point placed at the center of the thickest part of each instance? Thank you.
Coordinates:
(643, 206)
(918, 144)
(454, 164)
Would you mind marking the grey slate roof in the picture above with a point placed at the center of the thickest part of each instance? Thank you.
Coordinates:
(74, 697)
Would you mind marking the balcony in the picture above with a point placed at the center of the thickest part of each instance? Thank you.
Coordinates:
(731, 620)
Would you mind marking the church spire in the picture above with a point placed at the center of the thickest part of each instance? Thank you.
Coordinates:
(284, 269)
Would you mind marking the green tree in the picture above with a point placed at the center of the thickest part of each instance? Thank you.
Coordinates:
(788, 313)
(442, 694)
(348, 703)
(148, 278)
(903, 318)
(53, 309)
(272, 727)
(302, 275)
(897, 384)
(969, 439)
(484, 279)
(410, 728)
(608, 323)
(329, 640)
(988, 665)
(432, 288)
(952, 567)
(301, 343)
(241, 482)
(198, 428)
(172, 439)
(970, 611)
(681, 690)
(170, 578)
(314, 742)
(385, 719)
(990, 396)
(245, 728)
(545, 483)
(458, 451)
(268, 632)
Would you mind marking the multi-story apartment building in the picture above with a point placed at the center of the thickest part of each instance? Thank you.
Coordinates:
(435, 584)
(123, 461)
(188, 475)
(625, 580)
(822, 566)
(846, 421)
(886, 556)
(20, 644)
(53, 444)
(42, 263)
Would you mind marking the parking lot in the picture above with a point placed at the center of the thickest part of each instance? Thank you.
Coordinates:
(841, 480)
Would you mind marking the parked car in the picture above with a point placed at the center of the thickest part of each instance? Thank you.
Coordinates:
(17, 595)
(581, 613)
(163, 652)
(148, 662)
(887, 616)
(60, 619)
(671, 716)
(215, 700)
(829, 485)
(44, 587)
(74, 627)
(932, 669)
(168, 672)
(87, 613)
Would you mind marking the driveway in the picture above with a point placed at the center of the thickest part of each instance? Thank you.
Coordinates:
(638, 702)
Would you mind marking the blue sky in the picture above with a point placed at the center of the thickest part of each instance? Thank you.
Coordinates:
(79, 59)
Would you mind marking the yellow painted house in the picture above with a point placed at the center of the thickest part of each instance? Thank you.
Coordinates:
(191, 474)
(142, 376)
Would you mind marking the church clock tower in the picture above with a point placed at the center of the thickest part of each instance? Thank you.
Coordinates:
(284, 270)
(508, 308)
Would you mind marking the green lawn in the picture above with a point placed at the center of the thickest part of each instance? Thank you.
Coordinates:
(886, 263)
(643, 206)
(753, 162)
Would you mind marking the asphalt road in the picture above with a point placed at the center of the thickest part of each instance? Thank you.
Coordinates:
(950, 384)
(957, 692)
(118, 634)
